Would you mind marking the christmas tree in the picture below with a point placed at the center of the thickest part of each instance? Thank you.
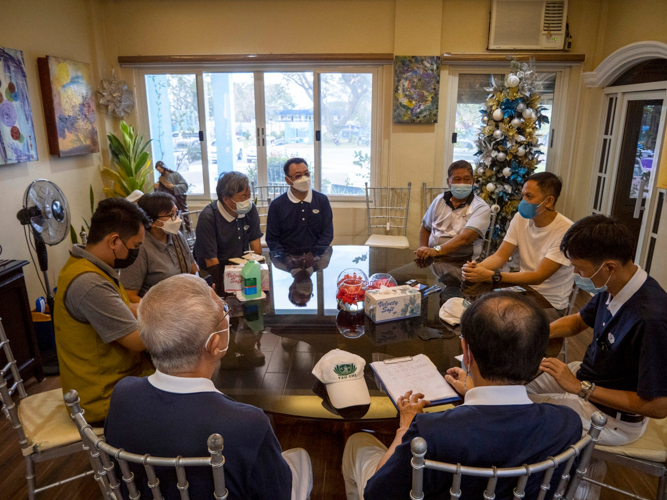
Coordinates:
(507, 144)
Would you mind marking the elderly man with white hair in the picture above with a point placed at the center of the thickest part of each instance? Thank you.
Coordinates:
(185, 327)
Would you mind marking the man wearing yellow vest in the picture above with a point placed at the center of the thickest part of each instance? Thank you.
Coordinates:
(96, 330)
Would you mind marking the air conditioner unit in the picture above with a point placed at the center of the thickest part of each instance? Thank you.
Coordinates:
(527, 24)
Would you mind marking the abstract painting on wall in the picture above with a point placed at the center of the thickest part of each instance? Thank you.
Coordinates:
(69, 106)
(416, 86)
(17, 133)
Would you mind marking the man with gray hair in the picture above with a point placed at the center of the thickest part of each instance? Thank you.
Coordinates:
(227, 228)
(185, 327)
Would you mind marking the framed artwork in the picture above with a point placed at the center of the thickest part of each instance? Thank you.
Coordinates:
(69, 106)
(416, 87)
(17, 133)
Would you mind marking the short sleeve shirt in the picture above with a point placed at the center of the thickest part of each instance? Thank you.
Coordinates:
(156, 261)
(629, 349)
(445, 222)
(223, 236)
(537, 243)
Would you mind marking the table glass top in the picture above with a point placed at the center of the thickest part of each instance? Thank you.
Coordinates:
(299, 321)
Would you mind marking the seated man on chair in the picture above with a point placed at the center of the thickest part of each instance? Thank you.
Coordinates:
(96, 330)
(185, 327)
(301, 217)
(623, 373)
(504, 337)
(227, 228)
(457, 220)
(536, 231)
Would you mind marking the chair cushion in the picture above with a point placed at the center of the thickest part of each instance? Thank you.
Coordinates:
(651, 446)
(387, 241)
(46, 421)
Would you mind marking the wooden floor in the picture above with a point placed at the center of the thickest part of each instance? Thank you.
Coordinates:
(323, 440)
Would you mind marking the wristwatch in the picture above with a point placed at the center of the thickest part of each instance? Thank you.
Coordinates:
(497, 277)
(586, 389)
(437, 249)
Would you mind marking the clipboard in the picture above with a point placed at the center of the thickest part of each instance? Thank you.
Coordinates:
(422, 377)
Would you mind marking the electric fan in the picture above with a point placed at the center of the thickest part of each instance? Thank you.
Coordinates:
(46, 211)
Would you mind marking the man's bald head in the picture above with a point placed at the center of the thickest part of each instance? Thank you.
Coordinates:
(507, 335)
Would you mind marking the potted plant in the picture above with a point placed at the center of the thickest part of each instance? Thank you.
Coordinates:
(131, 162)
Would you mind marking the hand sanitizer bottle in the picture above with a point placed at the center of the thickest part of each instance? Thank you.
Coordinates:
(251, 280)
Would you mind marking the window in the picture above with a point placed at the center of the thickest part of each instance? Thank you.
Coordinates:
(206, 123)
(471, 96)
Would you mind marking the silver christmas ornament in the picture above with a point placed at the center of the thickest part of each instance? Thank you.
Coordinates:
(521, 151)
(516, 123)
(512, 80)
(490, 187)
(485, 119)
(507, 171)
(115, 95)
(498, 114)
(527, 114)
(501, 156)
(521, 107)
(535, 140)
(480, 170)
(497, 134)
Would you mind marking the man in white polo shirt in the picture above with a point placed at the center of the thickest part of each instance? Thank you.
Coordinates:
(457, 219)
(536, 231)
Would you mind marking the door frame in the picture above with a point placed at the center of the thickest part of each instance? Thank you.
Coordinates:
(625, 94)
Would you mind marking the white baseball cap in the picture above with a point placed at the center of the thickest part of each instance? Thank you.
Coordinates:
(343, 375)
(134, 196)
(452, 310)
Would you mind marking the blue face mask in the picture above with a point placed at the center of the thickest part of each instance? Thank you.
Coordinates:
(461, 191)
(529, 210)
(587, 285)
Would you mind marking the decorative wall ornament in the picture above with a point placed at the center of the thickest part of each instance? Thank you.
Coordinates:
(69, 106)
(115, 95)
(17, 133)
(416, 88)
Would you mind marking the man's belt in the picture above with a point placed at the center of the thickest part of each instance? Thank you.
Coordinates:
(631, 418)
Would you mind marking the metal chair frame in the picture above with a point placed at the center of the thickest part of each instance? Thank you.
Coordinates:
(429, 194)
(388, 200)
(10, 411)
(566, 487)
(263, 196)
(658, 469)
(100, 453)
(189, 230)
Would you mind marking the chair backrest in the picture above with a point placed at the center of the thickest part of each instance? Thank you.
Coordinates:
(8, 407)
(566, 487)
(263, 196)
(388, 208)
(488, 237)
(429, 194)
(189, 225)
(100, 454)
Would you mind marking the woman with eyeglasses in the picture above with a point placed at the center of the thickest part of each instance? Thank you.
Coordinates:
(165, 251)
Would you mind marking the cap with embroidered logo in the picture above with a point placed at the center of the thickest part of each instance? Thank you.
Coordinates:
(343, 375)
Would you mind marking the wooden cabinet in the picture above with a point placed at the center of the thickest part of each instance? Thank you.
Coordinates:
(17, 319)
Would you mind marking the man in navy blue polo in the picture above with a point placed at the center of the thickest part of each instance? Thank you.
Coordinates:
(301, 218)
(623, 373)
(227, 228)
(504, 338)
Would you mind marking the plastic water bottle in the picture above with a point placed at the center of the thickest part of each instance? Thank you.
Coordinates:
(251, 280)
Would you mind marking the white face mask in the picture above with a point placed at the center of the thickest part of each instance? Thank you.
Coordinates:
(302, 184)
(243, 207)
(208, 340)
(171, 226)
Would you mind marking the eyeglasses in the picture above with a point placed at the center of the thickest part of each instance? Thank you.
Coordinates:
(173, 217)
(300, 175)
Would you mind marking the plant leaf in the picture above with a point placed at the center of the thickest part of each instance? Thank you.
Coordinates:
(92, 200)
(72, 235)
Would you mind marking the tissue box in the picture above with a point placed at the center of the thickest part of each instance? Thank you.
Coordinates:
(389, 304)
(233, 278)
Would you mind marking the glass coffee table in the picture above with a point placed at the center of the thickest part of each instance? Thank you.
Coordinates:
(299, 321)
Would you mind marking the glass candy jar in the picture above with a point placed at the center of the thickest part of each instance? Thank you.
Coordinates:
(379, 280)
(351, 290)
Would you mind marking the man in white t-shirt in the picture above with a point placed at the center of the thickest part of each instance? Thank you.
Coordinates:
(536, 231)
(457, 219)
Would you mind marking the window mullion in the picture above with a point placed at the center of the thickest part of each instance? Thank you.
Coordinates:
(201, 105)
(317, 119)
(260, 125)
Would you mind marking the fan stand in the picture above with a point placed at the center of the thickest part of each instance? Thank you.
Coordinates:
(49, 357)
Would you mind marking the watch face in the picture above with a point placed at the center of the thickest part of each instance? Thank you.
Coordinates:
(437, 249)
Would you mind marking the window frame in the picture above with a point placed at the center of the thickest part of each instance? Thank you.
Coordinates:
(557, 123)
(141, 71)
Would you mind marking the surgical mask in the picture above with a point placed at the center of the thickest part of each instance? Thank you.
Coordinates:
(302, 184)
(529, 210)
(132, 255)
(171, 226)
(208, 340)
(243, 207)
(586, 284)
(461, 191)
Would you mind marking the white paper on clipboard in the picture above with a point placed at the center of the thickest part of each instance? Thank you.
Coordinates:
(416, 374)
